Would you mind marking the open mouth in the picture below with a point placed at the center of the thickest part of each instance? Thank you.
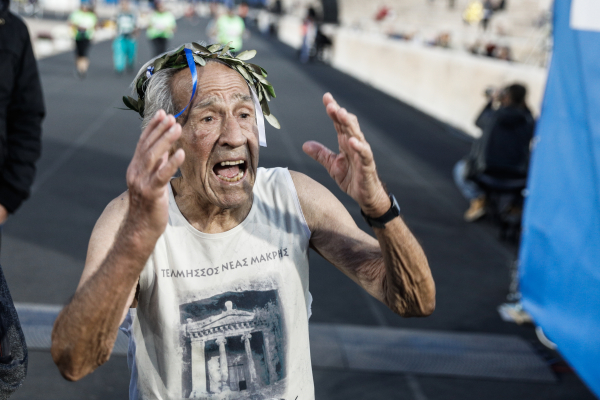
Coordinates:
(230, 171)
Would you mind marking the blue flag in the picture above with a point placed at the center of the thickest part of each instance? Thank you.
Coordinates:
(560, 250)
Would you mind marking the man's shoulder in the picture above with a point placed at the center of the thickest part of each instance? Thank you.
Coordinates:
(312, 195)
(306, 187)
(275, 173)
(17, 24)
(117, 208)
(15, 35)
(16, 20)
(301, 180)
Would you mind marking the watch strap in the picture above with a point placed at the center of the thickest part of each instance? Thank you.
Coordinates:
(380, 222)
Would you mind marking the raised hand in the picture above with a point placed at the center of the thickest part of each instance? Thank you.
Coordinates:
(353, 168)
(149, 173)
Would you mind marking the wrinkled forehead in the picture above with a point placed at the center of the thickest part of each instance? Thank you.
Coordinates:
(215, 80)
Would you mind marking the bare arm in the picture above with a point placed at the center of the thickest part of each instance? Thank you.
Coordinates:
(123, 239)
(393, 268)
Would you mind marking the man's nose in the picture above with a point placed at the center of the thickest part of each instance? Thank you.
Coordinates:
(231, 133)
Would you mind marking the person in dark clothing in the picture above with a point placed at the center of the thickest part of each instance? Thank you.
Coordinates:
(488, 11)
(21, 115)
(502, 151)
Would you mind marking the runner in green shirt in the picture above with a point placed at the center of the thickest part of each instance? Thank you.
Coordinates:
(230, 28)
(161, 28)
(83, 23)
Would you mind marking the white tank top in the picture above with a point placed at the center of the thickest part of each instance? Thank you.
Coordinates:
(225, 316)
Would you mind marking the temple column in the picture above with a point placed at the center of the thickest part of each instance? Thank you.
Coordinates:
(223, 364)
(198, 367)
(269, 357)
(246, 339)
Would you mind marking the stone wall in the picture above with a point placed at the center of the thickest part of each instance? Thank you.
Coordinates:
(446, 84)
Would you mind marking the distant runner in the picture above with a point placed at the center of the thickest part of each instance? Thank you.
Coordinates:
(125, 44)
(231, 28)
(161, 28)
(83, 23)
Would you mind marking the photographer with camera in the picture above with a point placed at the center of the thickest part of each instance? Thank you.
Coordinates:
(502, 151)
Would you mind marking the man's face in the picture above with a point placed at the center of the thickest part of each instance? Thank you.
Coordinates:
(219, 137)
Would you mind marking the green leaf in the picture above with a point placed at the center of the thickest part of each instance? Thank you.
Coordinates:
(246, 55)
(244, 73)
(261, 92)
(231, 60)
(214, 47)
(265, 106)
(130, 103)
(273, 121)
(158, 64)
(264, 92)
(270, 90)
(225, 49)
(264, 71)
(176, 52)
(199, 47)
(255, 67)
(199, 60)
(140, 91)
(261, 79)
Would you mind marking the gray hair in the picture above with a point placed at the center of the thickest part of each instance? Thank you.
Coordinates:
(158, 92)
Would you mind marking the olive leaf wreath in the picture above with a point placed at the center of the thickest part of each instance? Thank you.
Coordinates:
(252, 73)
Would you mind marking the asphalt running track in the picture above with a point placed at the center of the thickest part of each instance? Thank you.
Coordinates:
(88, 143)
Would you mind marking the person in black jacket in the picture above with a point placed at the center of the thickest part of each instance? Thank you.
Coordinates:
(502, 151)
(21, 115)
(21, 112)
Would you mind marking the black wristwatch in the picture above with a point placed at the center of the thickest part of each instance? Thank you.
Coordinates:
(380, 222)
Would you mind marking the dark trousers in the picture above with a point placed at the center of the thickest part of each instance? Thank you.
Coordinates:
(159, 45)
(82, 47)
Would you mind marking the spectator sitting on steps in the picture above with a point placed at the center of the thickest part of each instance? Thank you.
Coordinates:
(502, 151)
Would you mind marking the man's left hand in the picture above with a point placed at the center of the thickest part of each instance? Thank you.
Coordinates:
(354, 167)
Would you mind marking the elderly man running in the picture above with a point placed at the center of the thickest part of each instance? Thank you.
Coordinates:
(216, 260)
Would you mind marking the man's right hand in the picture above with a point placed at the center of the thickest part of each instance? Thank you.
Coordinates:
(149, 173)
(125, 235)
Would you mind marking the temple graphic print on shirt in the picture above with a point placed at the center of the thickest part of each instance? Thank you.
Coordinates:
(233, 346)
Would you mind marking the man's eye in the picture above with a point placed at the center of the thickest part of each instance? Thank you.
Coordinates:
(244, 115)
(207, 119)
